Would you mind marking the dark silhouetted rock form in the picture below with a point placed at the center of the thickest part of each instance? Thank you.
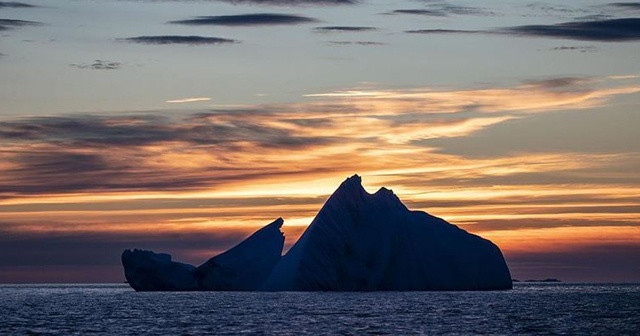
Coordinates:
(357, 242)
(242, 268)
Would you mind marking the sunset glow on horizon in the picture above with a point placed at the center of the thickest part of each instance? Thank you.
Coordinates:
(541, 158)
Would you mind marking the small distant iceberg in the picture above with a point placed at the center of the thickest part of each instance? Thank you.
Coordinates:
(543, 280)
(357, 242)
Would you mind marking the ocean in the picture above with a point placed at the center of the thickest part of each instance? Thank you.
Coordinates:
(115, 309)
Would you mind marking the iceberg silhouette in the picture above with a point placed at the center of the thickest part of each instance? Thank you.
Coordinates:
(357, 242)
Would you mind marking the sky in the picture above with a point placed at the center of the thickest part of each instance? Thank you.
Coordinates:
(182, 126)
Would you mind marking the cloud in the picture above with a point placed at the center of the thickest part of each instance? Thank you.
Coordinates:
(563, 83)
(360, 43)
(626, 5)
(188, 100)
(540, 9)
(333, 29)
(441, 10)
(613, 30)
(463, 10)
(7, 24)
(12, 4)
(178, 39)
(530, 96)
(83, 153)
(445, 31)
(259, 19)
(581, 49)
(610, 132)
(293, 2)
(425, 12)
(98, 65)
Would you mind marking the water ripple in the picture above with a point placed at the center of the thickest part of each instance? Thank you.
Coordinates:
(538, 309)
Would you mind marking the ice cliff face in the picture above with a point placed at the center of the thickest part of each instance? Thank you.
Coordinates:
(357, 242)
(246, 266)
(364, 242)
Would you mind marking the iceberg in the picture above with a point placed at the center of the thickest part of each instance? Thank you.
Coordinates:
(372, 242)
(149, 271)
(242, 268)
(357, 242)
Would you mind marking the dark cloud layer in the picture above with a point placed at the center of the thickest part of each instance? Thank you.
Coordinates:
(293, 2)
(81, 153)
(627, 29)
(614, 30)
(12, 4)
(442, 9)
(258, 19)
(597, 263)
(444, 31)
(425, 12)
(178, 39)
(82, 249)
(626, 5)
(6, 24)
(332, 29)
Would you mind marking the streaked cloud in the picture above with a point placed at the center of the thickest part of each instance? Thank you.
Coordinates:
(626, 5)
(623, 77)
(338, 29)
(565, 11)
(424, 12)
(445, 31)
(581, 49)
(98, 65)
(7, 24)
(293, 2)
(609, 30)
(13, 4)
(179, 39)
(221, 146)
(441, 10)
(530, 96)
(258, 19)
(188, 100)
(613, 30)
(357, 43)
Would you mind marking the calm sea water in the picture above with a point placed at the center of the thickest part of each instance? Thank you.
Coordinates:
(544, 309)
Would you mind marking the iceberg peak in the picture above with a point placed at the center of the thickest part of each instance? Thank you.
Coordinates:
(351, 186)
